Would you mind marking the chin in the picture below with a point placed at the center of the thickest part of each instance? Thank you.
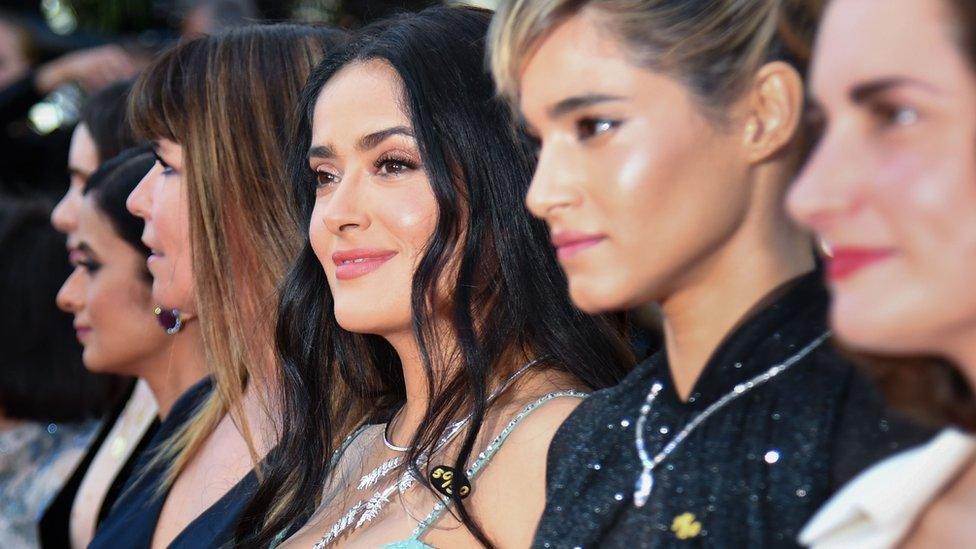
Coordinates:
(875, 330)
(593, 296)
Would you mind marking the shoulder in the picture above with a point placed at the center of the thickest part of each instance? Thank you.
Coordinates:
(881, 503)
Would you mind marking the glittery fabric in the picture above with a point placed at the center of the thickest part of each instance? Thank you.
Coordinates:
(749, 476)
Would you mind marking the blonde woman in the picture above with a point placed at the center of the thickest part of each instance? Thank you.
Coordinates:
(668, 134)
(220, 229)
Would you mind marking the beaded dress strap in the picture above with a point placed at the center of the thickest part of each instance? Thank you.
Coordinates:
(336, 456)
(485, 456)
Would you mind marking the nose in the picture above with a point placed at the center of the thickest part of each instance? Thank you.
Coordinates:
(830, 184)
(139, 202)
(71, 296)
(64, 217)
(555, 184)
(344, 209)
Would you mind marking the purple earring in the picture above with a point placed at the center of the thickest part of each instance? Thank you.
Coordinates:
(169, 319)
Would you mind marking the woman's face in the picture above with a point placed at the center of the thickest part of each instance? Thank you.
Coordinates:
(891, 188)
(374, 209)
(109, 296)
(82, 162)
(638, 188)
(161, 200)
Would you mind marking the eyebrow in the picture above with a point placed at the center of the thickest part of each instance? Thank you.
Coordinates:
(864, 92)
(580, 102)
(365, 143)
(86, 249)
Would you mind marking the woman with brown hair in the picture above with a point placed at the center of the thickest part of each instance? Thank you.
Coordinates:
(668, 133)
(221, 231)
(891, 190)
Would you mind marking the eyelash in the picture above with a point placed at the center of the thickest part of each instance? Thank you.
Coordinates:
(89, 265)
(892, 114)
(324, 178)
(167, 169)
(589, 128)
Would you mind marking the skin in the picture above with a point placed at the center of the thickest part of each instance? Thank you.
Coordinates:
(365, 199)
(680, 210)
(13, 63)
(110, 298)
(160, 199)
(83, 160)
(894, 173)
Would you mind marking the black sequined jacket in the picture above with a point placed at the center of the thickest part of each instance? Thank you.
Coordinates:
(750, 475)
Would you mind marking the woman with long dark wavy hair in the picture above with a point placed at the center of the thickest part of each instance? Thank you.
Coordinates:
(426, 317)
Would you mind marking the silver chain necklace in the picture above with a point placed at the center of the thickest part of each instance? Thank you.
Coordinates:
(368, 510)
(645, 483)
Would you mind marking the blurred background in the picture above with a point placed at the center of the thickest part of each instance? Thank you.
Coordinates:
(54, 53)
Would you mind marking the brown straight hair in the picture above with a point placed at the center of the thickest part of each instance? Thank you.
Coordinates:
(228, 101)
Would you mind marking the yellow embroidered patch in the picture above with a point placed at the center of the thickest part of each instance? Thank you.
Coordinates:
(685, 526)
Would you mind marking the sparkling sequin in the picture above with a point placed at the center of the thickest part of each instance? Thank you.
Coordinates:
(822, 416)
(771, 457)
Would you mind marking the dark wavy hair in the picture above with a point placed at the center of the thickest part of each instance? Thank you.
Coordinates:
(104, 114)
(508, 296)
(110, 186)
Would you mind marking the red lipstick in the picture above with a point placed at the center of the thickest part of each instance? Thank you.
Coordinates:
(847, 261)
(569, 243)
(359, 262)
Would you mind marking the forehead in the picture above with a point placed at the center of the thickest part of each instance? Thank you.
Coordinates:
(575, 58)
(359, 99)
(82, 153)
(94, 227)
(868, 39)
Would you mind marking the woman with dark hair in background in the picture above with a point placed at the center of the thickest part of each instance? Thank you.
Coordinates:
(109, 295)
(101, 134)
(221, 230)
(426, 317)
(669, 132)
(48, 402)
(891, 191)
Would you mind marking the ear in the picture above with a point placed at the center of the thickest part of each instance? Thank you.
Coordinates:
(775, 107)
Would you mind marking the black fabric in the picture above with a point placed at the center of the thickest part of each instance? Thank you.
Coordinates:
(132, 522)
(749, 476)
(54, 525)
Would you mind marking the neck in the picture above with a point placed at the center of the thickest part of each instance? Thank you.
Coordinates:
(176, 368)
(766, 251)
(415, 383)
(963, 355)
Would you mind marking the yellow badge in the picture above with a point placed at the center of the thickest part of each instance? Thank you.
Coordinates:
(685, 526)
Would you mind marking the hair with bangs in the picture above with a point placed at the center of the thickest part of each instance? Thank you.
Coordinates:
(228, 100)
(713, 46)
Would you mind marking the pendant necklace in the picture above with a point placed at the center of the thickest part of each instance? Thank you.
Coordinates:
(367, 510)
(645, 482)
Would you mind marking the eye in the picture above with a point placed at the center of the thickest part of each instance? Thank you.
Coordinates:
(167, 169)
(87, 264)
(325, 178)
(394, 165)
(894, 114)
(588, 128)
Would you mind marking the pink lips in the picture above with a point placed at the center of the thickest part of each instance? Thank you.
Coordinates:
(355, 263)
(846, 261)
(81, 332)
(569, 243)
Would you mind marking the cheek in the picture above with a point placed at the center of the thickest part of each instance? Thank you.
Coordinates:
(411, 220)
(125, 329)
(319, 236)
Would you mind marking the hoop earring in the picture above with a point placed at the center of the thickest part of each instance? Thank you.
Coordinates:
(170, 319)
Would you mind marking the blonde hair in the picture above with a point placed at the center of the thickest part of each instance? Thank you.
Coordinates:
(228, 100)
(713, 46)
